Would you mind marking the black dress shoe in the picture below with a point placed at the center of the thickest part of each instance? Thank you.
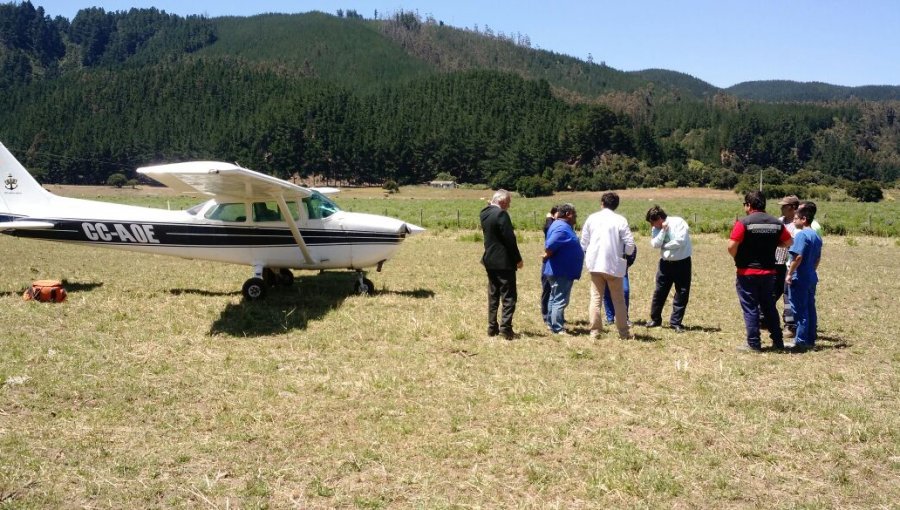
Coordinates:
(654, 324)
(678, 328)
(509, 335)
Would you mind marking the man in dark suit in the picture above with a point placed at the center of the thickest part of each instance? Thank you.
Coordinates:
(501, 259)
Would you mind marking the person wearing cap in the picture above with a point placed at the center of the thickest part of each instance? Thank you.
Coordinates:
(789, 205)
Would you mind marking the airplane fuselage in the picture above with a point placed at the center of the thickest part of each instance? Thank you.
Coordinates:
(342, 240)
(253, 219)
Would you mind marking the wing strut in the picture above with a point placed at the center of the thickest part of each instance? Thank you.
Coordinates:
(286, 214)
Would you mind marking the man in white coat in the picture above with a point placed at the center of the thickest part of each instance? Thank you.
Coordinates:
(606, 239)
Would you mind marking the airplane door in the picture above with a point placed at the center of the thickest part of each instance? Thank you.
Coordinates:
(335, 245)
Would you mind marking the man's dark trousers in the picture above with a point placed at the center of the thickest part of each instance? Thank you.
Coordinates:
(755, 295)
(501, 288)
(677, 272)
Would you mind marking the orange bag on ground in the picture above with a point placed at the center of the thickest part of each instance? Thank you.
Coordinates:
(45, 291)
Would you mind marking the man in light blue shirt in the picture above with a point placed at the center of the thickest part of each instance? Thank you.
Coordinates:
(671, 235)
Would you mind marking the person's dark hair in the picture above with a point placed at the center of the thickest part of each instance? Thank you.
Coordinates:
(565, 210)
(610, 200)
(554, 209)
(756, 200)
(807, 210)
(654, 213)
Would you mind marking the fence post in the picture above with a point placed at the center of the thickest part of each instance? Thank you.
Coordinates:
(421, 222)
(457, 218)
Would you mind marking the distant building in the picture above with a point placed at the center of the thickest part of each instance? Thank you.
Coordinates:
(442, 184)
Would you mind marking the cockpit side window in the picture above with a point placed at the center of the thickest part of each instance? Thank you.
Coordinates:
(228, 212)
(265, 211)
(318, 206)
(269, 211)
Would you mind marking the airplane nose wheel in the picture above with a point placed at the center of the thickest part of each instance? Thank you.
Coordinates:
(254, 289)
(363, 285)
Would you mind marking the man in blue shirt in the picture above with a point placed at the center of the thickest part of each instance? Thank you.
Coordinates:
(563, 260)
(802, 278)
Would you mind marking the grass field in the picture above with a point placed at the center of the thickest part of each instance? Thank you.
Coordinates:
(154, 385)
(707, 210)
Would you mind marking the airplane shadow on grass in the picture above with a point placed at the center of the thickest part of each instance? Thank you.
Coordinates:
(291, 308)
(200, 292)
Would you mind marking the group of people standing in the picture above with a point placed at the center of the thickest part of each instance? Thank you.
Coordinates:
(764, 273)
(607, 249)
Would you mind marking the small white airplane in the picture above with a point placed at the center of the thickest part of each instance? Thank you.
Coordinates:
(251, 219)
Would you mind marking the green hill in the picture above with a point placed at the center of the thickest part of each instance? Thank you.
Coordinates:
(684, 83)
(350, 52)
(792, 91)
(403, 99)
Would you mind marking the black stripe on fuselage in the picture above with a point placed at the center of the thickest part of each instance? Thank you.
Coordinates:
(191, 235)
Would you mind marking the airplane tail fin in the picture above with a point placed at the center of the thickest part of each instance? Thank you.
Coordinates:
(19, 191)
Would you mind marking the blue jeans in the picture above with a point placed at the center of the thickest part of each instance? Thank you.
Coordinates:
(560, 290)
(608, 303)
(803, 304)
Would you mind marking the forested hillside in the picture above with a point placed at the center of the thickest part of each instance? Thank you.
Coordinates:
(401, 98)
(784, 91)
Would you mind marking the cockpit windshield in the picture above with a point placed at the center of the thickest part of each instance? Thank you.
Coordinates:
(319, 206)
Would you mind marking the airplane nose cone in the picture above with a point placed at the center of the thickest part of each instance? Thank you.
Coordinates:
(413, 229)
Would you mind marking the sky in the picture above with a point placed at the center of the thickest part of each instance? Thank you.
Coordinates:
(722, 42)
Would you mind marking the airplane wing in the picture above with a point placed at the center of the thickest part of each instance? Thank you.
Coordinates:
(222, 180)
(25, 225)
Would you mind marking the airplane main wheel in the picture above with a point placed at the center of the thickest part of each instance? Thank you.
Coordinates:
(285, 277)
(366, 287)
(254, 289)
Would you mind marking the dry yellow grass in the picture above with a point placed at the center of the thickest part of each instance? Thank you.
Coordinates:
(156, 386)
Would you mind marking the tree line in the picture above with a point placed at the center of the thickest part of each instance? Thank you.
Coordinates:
(134, 88)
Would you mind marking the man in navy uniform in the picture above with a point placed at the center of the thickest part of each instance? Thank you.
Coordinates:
(752, 243)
